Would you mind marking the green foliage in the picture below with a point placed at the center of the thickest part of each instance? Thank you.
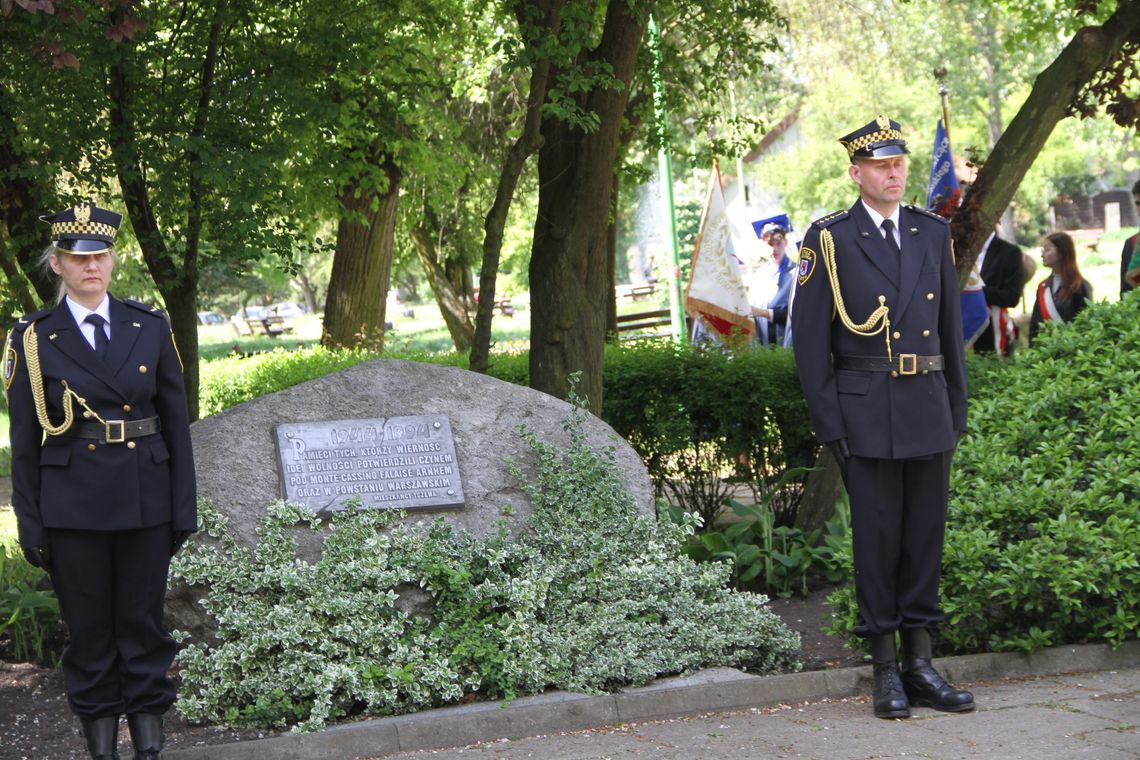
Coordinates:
(1045, 508)
(29, 611)
(591, 596)
(698, 416)
(228, 382)
(775, 559)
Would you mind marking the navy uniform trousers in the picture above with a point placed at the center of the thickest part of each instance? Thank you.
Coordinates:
(105, 508)
(901, 428)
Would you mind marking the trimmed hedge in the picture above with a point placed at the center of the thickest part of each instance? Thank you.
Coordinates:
(1044, 519)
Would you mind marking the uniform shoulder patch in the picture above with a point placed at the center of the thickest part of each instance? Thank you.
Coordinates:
(10, 359)
(830, 219)
(927, 212)
(154, 311)
(808, 260)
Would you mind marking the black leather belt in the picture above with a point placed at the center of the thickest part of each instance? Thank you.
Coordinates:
(903, 364)
(115, 431)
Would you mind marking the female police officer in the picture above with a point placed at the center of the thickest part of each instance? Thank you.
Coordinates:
(102, 479)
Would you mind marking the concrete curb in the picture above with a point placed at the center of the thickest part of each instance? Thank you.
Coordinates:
(710, 690)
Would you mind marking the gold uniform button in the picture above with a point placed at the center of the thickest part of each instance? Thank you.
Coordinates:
(926, 333)
(929, 296)
(894, 373)
(87, 415)
(926, 372)
(142, 367)
(127, 408)
(897, 335)
(130, 444)
(90, 447)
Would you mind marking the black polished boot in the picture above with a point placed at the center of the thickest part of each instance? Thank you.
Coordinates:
(102, 736)
(889, 698)
(924, 687)
(146, 735)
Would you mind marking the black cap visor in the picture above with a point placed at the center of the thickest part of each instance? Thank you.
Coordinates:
(82, 247)
(888, 149)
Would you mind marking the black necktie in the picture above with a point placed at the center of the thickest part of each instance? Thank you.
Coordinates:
(889, 233)
(101, 341)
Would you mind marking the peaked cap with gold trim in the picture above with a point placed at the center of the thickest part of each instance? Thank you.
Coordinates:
(84, 229)
(881, 138)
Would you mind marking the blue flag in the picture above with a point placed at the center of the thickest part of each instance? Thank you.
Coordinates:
(942, 194)
(942, 197)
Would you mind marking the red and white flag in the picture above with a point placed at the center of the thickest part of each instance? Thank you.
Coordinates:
(716, 294)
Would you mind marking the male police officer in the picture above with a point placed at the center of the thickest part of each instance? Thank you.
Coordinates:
(880, 356)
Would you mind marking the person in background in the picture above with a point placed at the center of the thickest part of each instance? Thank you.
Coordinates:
(102, 479)
(1130, 255)
(1003, 278)
(878, 345)
(1064, 293)
(770, 287)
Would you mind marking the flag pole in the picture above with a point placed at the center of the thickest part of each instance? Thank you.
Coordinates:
(944, 92)
(665, 170)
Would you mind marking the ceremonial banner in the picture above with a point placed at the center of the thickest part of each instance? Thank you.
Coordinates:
(942, 197)
(942, 192)
(716, 293)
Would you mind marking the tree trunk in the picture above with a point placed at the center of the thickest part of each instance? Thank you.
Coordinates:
(177, 284)
(568, 270)
(1052, 98)
(451, 303)
(22, 201)
(362, 266)
(307, 292)
(611, 256)
(527, 143)
(17, 282)
(823, 488)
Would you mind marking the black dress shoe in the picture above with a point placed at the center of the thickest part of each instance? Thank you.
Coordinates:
(102, 736)
(146, 735)
(924, 686)
(889, 698)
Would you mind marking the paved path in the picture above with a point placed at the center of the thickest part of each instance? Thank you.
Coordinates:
(1064, 702)
(1088, 715)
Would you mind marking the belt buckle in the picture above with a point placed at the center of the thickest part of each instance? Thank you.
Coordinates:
(109, 425)
(913, 364)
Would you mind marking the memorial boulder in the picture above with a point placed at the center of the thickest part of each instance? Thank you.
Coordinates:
(437, 441)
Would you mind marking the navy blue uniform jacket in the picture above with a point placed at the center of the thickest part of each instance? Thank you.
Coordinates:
(66, 484)
(881, 416)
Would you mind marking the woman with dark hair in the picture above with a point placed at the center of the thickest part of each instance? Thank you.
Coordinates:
(1064, 293)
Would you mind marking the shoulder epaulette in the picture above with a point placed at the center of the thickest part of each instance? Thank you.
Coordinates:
(27, 319)
(927, 212)
(830, 219)
(154, 311)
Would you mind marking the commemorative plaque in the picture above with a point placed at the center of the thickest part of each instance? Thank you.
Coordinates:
(400, 463)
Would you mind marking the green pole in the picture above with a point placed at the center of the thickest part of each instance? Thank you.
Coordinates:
(665, 170)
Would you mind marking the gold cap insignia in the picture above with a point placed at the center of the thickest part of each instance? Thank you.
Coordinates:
(883, 121)
(82, 214)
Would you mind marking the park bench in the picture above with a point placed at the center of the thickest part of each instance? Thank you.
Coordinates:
(271, 326)
(644, 324)
(636, 292)
(504, 307)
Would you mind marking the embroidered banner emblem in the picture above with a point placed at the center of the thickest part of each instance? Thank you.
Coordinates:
(807, 264)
